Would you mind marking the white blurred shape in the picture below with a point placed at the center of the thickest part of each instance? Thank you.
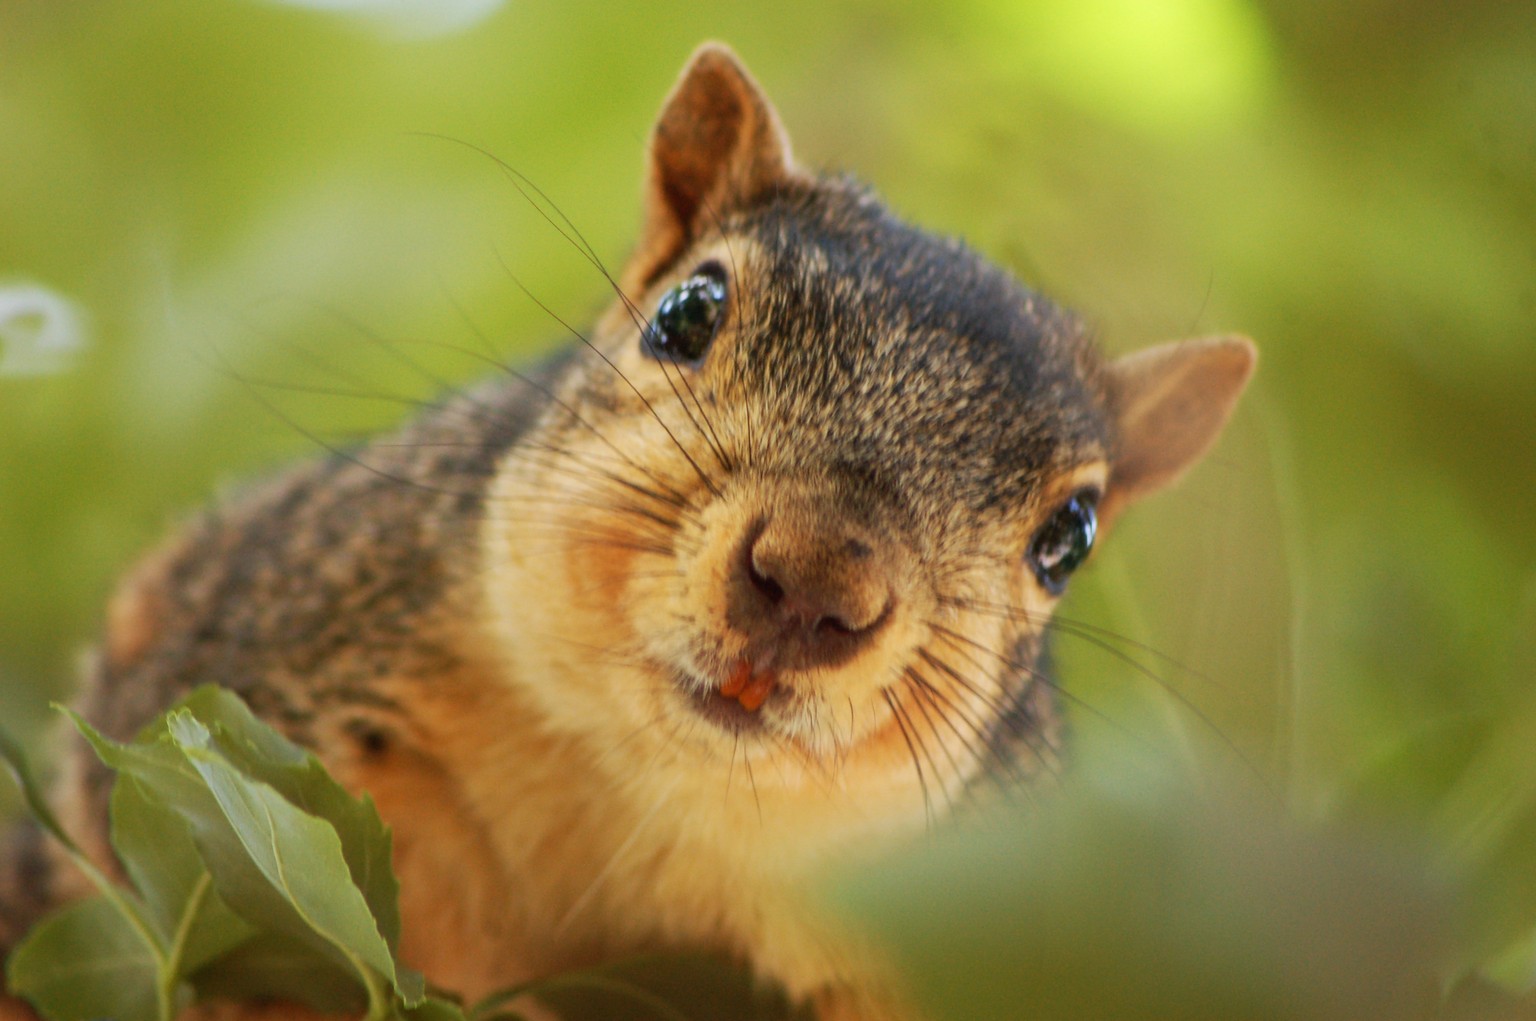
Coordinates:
(415, 18)
(40, 331)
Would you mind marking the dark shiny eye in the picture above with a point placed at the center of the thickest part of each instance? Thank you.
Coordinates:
(688, 316)
(1063, 542)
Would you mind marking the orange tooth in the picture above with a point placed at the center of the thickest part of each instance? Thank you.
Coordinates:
(757, 692)
(737, 681)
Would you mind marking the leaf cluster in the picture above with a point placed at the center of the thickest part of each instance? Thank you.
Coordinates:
(251, 873)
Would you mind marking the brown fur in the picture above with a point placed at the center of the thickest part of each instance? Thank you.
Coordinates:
(513, 623)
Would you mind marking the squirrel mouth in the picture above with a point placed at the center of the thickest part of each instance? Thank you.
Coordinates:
(750, 684)
(734, 704)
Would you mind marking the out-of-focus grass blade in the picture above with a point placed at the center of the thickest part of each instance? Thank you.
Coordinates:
(1140, 900)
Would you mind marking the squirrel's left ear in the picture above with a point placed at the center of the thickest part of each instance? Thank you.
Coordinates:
(1169, 404)
(717, 144)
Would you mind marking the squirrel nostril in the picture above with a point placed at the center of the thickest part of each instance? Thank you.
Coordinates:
(841, 625)
(833, 625)
(764, 582)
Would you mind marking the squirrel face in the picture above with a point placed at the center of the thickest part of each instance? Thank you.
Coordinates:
(820, 478)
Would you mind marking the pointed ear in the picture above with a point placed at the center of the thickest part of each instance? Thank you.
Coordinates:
(1170, 403)
(717, 144)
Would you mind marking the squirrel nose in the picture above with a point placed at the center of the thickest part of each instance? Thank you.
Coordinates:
(818, 596)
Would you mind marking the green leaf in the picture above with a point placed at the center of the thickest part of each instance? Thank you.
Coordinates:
(153, 760)
(299, 856)
(37, 804)
(275, 966)
(435, 1009)
(165, 774)
(84, 962)
(131, 909)
(266, 756)
(274, 865)
(152, 842)
(32, 793)
(224, 825)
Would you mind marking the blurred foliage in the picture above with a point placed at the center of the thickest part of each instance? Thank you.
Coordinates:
(1340, 606)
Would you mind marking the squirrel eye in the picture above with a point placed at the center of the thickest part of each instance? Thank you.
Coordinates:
(1063, 542)
(688, 316)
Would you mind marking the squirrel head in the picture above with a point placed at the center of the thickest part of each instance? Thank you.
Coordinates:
(816, 482)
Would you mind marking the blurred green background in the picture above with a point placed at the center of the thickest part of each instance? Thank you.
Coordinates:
(1306, 777)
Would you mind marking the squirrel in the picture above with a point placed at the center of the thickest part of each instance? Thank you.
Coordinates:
(756, 574)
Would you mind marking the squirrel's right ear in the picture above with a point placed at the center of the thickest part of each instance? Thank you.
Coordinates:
(717, 144)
